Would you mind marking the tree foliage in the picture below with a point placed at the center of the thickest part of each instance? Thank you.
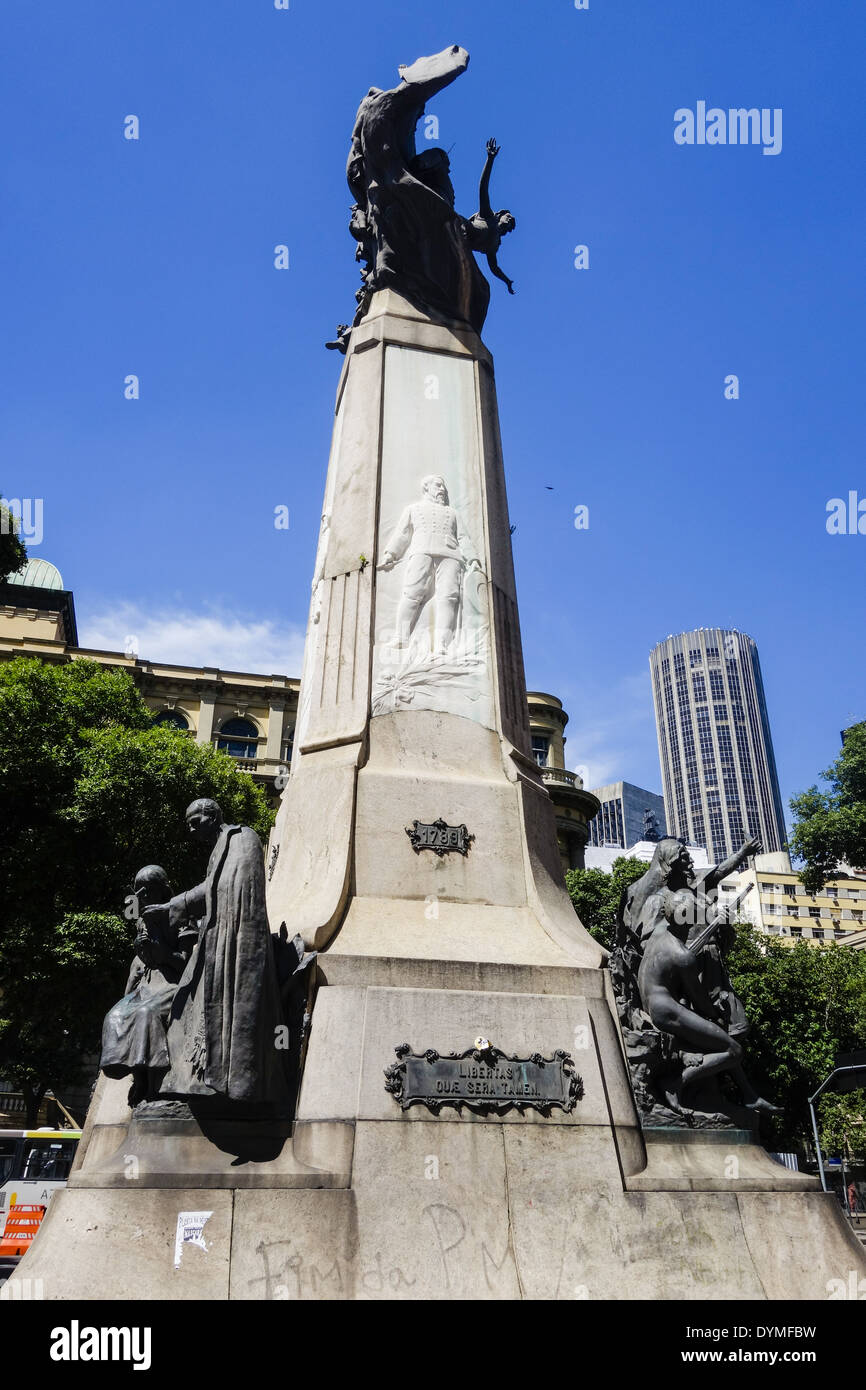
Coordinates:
(830, 826)
(12, 552)
(842, 1124)
(90, 791)
(596, 895)
(806, 1004)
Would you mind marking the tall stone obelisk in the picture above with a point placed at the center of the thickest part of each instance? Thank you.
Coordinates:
(412, 699)
(413, 703)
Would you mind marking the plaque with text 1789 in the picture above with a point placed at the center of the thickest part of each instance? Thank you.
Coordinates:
(484, 1080)
(440, 837)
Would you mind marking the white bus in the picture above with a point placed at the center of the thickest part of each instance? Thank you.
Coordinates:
(33, 1164)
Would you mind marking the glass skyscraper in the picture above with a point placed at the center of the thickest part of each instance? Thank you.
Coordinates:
(627, 814)
(718, 770)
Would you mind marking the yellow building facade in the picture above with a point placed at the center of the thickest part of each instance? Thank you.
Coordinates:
(249, 716)
(779, 904)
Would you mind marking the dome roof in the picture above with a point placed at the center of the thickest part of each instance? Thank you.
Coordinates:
(38, 574)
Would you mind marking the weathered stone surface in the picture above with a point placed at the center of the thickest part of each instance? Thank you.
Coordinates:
(332, 1075)
(799, 1243)
(104, 1141)
(427, 1219)
(358, 1043)
(419, 972)
(314, 835)
(440, 932)
(386, 865)
(107, 1107)
(123, 1244)
(489, 1212)
(576, 1235)
(291, 1246)
(469, 1212)
(176, 1153)
(712, 1161)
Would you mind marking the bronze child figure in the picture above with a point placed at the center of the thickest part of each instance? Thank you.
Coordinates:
(134, 1032)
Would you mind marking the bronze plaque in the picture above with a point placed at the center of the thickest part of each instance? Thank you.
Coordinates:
(441, 838)
(483, 1080)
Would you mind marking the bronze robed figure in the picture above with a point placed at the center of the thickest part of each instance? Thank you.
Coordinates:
(211, 1011)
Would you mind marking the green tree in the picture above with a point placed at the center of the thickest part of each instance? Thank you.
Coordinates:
(842, 1124)
(830, 826)
(90, 791)
(806, 1004)
(12, 552)
(596, 895)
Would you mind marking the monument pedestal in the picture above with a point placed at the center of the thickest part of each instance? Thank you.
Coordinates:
(455, 1205)
(413, 719)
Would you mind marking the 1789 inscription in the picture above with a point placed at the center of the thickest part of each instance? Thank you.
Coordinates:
(440, 837)
(484, 1080)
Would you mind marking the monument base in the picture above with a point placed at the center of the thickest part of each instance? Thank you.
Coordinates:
(368, 1200)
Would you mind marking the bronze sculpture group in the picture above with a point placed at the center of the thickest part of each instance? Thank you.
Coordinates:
(214, 1005)
(682, 1021)
(410, 237)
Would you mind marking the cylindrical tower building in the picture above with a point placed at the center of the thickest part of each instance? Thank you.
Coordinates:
(716, 754)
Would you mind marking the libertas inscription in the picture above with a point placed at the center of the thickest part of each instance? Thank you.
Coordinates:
(483, 1079)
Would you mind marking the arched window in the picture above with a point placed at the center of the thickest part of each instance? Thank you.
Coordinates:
(239, 737)
(173, 717)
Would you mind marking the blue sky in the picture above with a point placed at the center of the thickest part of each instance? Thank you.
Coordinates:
(155, 257)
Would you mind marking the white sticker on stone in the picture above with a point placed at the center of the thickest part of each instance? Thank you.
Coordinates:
(190, 1231)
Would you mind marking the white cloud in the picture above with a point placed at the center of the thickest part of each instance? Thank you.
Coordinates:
(230, 641)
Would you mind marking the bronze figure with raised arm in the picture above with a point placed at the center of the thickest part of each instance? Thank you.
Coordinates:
(711, 878)
(486, 227)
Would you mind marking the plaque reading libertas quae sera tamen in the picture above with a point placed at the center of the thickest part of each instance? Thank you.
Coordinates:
(483, 1080)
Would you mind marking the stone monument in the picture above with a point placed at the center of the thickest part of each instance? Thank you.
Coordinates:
(466, 1127)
